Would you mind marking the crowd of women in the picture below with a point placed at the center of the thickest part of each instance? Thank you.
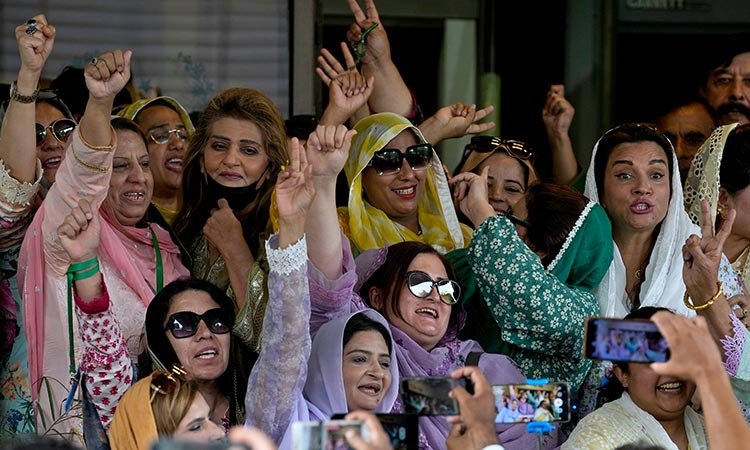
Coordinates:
(164, 278)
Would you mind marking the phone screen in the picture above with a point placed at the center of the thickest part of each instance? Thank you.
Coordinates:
(428, 396)
(402, 429)
(329, 435)
(625, 340)
(532, 403)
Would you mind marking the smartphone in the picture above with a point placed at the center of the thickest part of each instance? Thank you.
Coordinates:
(329, 435)
(624, 340)
(402, 429)
(428, 396)
(170, 444)
(532, 402)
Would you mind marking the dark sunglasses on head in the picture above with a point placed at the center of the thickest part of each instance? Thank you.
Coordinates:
(61, 130)
(491, 144)
(420, 285)
(185, 323)
(389, 160)
(162, 135)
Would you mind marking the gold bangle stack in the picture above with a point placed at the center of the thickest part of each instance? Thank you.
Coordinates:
(104, 148)
(689, 303)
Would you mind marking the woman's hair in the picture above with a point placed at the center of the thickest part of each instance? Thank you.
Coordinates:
(123, 124)
(360, 322)
(159, 346)
(524, 167)
(391, 275)
(735, 161)
(553, 210)
(170, 409)
(241, 104)
(613, 388)
(628, 133)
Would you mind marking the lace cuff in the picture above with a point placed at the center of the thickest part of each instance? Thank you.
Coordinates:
(287, 260)
(733, 346)
(13, 191)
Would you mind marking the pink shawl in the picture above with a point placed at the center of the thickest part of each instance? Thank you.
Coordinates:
(127, 250)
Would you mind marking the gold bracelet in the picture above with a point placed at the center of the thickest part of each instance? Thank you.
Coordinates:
(87, 165)
(689, 303)
(106, 148)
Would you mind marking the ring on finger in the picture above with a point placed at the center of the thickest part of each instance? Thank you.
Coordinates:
(745, 312)
(31, 27)
(94, 60)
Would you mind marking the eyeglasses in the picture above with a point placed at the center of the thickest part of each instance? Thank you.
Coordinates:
(420, 284)
(161, 136)
(165, 383)
(389, 160)
(61, 130)
(515, 220)
(185, 323)
(491, 144)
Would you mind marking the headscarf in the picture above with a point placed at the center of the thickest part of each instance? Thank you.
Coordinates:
(703, 183)
(132, 110)
(369, 226)
(585, 256)
(134, 425)
(324, 393)
(663, 285)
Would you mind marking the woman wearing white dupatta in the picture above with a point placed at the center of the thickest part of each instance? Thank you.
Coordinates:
(647, 266)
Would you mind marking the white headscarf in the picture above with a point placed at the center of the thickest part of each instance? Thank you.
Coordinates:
(663, 285)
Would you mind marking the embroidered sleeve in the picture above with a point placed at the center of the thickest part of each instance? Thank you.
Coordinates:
(279, 374)
(105, 362)
(734, 346)
(73, 182)
(535, 311)
(16, 206)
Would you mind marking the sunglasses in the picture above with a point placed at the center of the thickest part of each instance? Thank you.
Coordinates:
(420, 285)
(165, 383)
(61, 129)
(185, 323)
(515, 220)
(389, 161)
(161, 136)
(491, 144)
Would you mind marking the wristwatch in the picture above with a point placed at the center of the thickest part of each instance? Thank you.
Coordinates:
(20, 98)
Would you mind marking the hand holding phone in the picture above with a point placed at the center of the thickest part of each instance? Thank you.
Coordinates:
(430, 396)
(624, 340)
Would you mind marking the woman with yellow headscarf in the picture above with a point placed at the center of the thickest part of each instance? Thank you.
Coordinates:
(398, 190)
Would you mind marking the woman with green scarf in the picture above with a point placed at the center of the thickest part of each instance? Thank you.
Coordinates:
(529, 275)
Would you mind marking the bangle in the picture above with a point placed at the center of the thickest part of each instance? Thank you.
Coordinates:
(107, 148)
(83, 270)
(689, 303)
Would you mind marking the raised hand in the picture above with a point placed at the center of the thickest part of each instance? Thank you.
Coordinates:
(378, 47)
(702, 255)
(558, 112)
(79, 232)
(475, 427)
(294, 187)
(471, 196)
(348, 89)
(692, 351)
(108, 73)
(379, 439)
(456, 120)
(328, 149)
(34, 47)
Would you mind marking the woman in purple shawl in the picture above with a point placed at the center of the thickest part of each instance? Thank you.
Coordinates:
(350, 364)
(424, 326)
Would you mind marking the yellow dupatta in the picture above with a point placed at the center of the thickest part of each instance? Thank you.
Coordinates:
(134, 425)
(368, 226)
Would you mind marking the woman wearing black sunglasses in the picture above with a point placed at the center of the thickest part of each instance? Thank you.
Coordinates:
(398, 190)
(410, 284)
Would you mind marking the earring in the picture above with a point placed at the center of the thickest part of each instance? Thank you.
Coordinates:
(722, 211)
